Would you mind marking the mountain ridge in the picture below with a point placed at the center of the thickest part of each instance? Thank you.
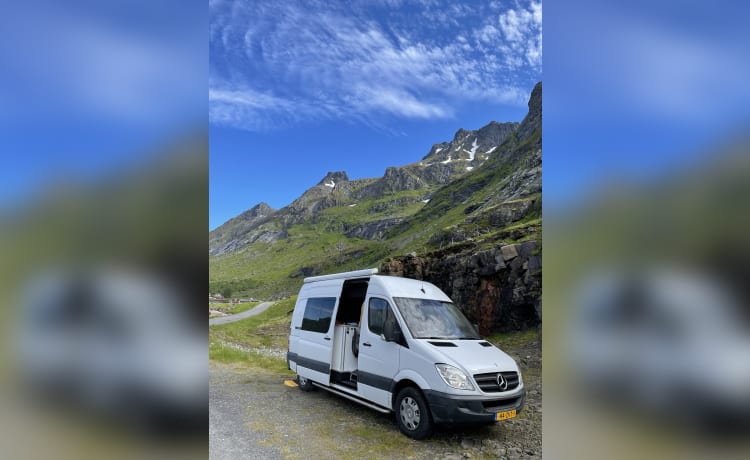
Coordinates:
(477, 192)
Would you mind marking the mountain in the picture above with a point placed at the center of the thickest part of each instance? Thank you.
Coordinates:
(469, 200)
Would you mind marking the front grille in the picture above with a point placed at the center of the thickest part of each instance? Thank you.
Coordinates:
(488, 382)
(500, 404)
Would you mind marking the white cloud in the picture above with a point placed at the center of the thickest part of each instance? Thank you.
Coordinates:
(400, 103)
(282, 62)
(522, 28)
(247, 98)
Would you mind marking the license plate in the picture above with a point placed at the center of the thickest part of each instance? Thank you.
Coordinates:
(505, 415)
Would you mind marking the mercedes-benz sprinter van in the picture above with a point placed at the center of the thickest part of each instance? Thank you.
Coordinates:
(399, 345)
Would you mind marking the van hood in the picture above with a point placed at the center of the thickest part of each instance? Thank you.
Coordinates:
(474, 357)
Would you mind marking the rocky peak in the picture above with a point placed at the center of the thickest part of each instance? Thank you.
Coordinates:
(471, 146)
(334, 177)
(261, 209)
(495, 133)
(461, 135)
(252, 215)
(229, 236)
(533, 119)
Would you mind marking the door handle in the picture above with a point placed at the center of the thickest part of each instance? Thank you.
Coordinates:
(366, 344)
(326, 338)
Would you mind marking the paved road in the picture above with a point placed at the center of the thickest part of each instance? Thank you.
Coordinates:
(245, 314)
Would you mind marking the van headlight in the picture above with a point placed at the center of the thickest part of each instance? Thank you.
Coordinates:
(454, 377)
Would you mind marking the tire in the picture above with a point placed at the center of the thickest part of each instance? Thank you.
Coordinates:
(305, 384)
(412, 414)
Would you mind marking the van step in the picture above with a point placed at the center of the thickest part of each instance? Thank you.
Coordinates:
(348, 383)
(354, 398)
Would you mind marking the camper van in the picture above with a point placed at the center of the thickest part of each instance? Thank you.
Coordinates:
(399, 345)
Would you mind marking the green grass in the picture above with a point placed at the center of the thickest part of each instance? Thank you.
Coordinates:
(240, 307)
(269, 329)
(225, 354)
(274, 266)
(513, 340)
(270, 269)
(392, 205)
(232, 309)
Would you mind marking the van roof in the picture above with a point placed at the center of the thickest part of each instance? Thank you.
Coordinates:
(344, 275)
(394, 286)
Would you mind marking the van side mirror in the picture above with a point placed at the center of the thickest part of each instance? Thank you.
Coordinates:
(391, 331)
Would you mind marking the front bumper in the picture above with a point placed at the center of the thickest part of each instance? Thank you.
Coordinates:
(454, 409)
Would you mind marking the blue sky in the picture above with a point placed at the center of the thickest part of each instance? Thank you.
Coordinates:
(300, 88)
(89, 88)
(637, 90)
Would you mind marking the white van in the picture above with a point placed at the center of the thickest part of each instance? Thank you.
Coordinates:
(399, 345)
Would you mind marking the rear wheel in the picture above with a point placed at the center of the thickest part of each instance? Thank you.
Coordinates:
(304, 384)
(412, 414)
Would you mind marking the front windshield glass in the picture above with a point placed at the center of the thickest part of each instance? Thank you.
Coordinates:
(434, 319)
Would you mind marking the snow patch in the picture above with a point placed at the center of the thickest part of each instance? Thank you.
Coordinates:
(426, 201)
(447, 161)
(474, 147)
(469, 168)
(353, 205)
(438, 150)
(491, 150)
(332, 184)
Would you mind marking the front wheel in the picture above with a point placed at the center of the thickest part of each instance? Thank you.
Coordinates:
(304, 384)
(412, 414)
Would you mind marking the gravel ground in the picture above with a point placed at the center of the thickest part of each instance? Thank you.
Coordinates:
(254, 415)
(228, 433)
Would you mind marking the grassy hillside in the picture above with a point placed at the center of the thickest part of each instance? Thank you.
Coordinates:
(453, 214)
(423, 207)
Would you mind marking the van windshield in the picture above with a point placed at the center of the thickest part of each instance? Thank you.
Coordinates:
(434, 319)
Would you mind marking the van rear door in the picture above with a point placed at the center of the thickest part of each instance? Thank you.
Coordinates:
(315, 332)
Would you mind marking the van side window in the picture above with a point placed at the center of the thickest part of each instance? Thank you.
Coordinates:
(318, 312)
(376, 315)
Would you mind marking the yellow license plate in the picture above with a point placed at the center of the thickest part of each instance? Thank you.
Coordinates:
(505, 415)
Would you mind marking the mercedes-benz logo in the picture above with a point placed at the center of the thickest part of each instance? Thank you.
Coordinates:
(501, 382)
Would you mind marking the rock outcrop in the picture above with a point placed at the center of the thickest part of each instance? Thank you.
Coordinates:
(371, 230)
(498, 288)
